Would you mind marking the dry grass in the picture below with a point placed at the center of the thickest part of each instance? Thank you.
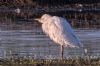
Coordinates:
(54, 62)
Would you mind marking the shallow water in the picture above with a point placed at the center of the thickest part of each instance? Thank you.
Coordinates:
(27, 43)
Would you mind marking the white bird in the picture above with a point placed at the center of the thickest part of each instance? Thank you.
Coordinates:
(17, 10)
(60, 31)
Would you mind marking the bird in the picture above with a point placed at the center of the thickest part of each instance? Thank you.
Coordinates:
(59, 30)
(17, 10)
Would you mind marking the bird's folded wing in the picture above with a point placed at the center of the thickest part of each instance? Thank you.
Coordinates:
(64, 30)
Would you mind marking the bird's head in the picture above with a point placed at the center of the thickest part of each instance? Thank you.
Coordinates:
(44, 18)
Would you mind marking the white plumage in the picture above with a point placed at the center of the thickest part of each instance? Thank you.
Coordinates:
(17, 10)
(59, 30)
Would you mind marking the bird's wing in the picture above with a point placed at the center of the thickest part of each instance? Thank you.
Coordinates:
(60, 27)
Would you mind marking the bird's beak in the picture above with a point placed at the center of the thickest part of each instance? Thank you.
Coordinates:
(37, 19)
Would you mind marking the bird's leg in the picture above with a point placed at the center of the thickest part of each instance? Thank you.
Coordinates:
(62, 51)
